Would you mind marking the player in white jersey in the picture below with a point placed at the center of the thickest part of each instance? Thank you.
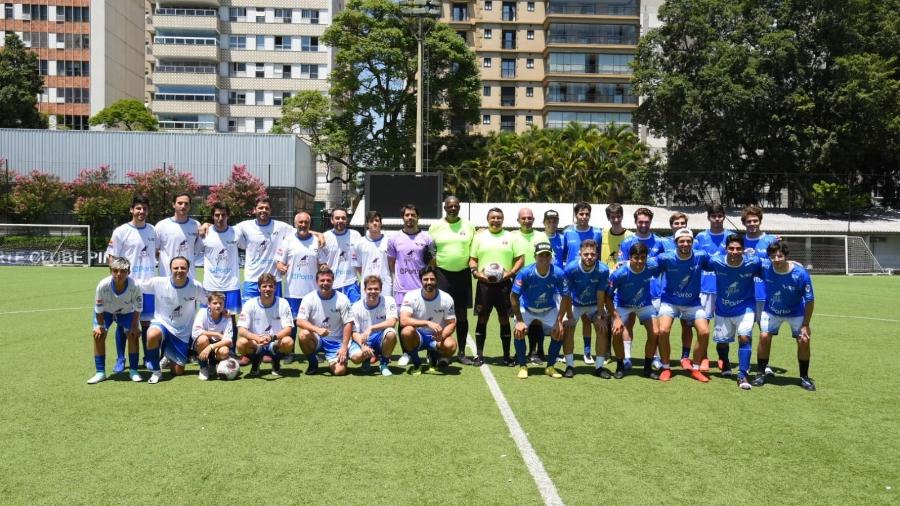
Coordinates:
(178, 236)
(340, 255)
(374, 319)
(176, 297)
(136, 242)
(265, 326)
(325, 324)
(371, 252)
(212, 334)
(260, 238)
(118, 299)
(298, 260)
(427, 321)
(221, 261)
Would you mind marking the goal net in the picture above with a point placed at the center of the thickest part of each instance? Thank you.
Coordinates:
(833, 254)
(24, 244)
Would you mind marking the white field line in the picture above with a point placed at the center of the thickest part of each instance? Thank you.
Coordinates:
(45, 310)
(532, 461)
(858, 317)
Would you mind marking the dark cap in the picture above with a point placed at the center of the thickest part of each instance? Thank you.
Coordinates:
(550, 213)
(542, 247)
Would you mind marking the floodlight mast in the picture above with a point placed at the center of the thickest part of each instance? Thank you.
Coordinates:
(419, 10)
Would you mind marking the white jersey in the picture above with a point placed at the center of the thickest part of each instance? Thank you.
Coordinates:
(340, 255)
(365, 317)
(221, 263)
(108, 300)
(260, 243)
(439, 309)
(266, 320)
(373, 259)
(332, 313)
(175, 308)
(178, 239)
(204, 323)
(138, 245)
(302, 259)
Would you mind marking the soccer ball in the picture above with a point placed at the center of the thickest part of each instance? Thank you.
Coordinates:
(493, 272)
(228, 369)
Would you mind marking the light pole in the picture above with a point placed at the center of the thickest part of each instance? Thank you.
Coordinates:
(419, 10)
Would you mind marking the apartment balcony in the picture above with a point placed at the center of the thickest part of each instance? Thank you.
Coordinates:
(194, 3)
(251, 111)
(185, 103)
(186, 18)
(178, 73)
(191, 126)
(582, 10)
(185, 47)
(558, 97)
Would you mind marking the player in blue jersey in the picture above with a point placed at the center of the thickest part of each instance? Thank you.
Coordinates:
(789, 299)
(540, 302)
(735, 302)
(677, 221)
(680, 299)
(629, 285)
(573, 236)
(712, 241)
(755, 243)
(588, 280)
(551, 228)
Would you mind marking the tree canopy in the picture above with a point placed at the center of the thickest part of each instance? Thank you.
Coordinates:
(20, 85)
(128, 113)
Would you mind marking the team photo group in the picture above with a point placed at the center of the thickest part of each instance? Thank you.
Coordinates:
(362, 300)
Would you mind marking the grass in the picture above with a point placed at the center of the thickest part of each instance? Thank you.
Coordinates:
(440, 439)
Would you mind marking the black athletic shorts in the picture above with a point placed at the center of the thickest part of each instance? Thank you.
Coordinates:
(493, 296)
(458, 284)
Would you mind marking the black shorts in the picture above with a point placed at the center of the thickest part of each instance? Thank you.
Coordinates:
(458, 284)
(493, 296)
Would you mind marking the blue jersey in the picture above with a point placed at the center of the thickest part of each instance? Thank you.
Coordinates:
(734, 285)
(758, 247)
(713, 245)
(584, 285)
(788, 293)
(632, 289)
(559, 249)
(654, 247)
(572, 239)
(538, 293)
(681, 278)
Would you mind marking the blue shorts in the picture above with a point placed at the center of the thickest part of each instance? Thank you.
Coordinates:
(426, 337)
(122, 320)
(351, 291)
(232, 300)
(149, 307)
(173, 348)
(330, 347)
(294, 302)
(250, 289)
(376, 340)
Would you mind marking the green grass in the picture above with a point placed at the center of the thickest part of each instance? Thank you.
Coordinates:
(441, 439)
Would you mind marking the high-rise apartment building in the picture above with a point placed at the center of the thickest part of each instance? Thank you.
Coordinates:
(548, 63)
(229, 65)
(90, 53)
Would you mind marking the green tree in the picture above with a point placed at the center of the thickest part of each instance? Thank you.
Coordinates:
(128, 113)
(369, 122)
(99, 203)
(36, 195)
(20, 84)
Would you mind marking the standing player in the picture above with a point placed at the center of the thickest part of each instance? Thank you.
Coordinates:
(264, 327)
(712, 241)
(573, 236)
(494, 247)
(298, 259)
(540, 302)
(528, 235)
(177, 296)
(735, 301)
(453, 245)
(613, 236)
(118, 299)
(260, 238)
(374, 318)
(340, 255)
(789, 299)
(325, 324)
(587, 281)
(221, 263)
(213, 334)
(372, 253)
(178, 236)
(630, 287)
(551, 228)
(427, 321)
(682, 270)
(678, 221)
(755, 244)
(136, 242)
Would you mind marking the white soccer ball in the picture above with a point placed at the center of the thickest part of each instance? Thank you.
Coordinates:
(228, 369)
(493, 273)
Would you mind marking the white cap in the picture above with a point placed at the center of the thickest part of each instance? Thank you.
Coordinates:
(683, 232)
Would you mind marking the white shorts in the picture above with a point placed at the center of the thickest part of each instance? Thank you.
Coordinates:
(579, 311)
(708, 301)
(656, 303)
(687, 313)
(727, 326)
(547, 318)
(770, 323)
(643, 313)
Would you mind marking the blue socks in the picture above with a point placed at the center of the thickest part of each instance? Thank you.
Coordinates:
(133, 360)
(153, 357)
(745, 351)
(120, 342)
(520, 351)
(100, 363)
(685, 352)
(553, 352)
(385, 360)
(587, 344)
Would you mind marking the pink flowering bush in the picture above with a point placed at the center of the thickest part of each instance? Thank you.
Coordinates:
(160, 186)
(37, 194)
(240, 192)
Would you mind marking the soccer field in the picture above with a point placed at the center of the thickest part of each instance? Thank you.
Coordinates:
(441, 438)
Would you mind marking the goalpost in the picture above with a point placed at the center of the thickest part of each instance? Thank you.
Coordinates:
(28, 244)
(833, 254)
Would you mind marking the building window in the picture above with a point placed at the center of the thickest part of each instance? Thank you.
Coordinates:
(486, 91)
(529, 91)
(488, 33)
(509, 11)
(260, 98)
(310, 44)
(530, 6)
(260, 15)
(485, 119)
(529, 63)
(507, 123)
(232, 125)
(309, 71)
(488, 5)
(74, 68)
(283, 15)
(310, 16)
(238, 69)
(280, 97)
(260, 70)
(529, 120)
(76, 14)
(282, 43)
(34, 12)
(237, 97)
(42, 67)
(259, 125)
(237, 14)
(76, 95)
(486, 63)
(260, 42)
(508, 67)
(507, 96)
(529, 35)
(8, 9)
(72, 122)
(283, 70)
(237, 42)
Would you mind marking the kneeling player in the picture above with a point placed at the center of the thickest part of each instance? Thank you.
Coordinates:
(264, 327)
(630, 287)
(534, 294)
(374, 318)
(118, 300)
(325, 324)
(427, 321)
(212, 334)
(790, 300)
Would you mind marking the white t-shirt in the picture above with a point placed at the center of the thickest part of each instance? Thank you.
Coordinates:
(365, 317)
(260, 243)
(178, 239)
(138, 245)
(372, 257)
(204, 323)
(332, 313)
(127, 302)
(302, 259)
(340, 255)
(175, 308)
(221, 262)
(439, 309)
(264, 320)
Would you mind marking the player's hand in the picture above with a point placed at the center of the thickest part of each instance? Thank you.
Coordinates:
(805, 334)
(618, 327)
(435, 327)
(365, 335)
(99, 333)
(342, 355)
(520, 329)
(367, 352)
(204, 227)
(134, 333)
(265, 339)
(558, 327)
(322, 331)
(281, 267)
(204, 355)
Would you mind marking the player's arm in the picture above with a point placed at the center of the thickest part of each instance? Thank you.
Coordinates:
(99, 326)
(320, 238)
(473, 266)
(517, 312)
(805, 331)
(448, 329)
(345, 342)
(601, 304)
(565, 309)
(518, 262)
(304, 324)
(407, 320)
(388, 323)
